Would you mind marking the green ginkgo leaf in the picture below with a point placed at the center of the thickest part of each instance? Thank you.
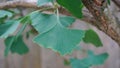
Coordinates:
(53, 33)
(92, 37)
(89, 61)
(42, 2)
(44, 22)
(73, 6)
(96, 59)
(8, 28)
(16, 45)
(60, 39)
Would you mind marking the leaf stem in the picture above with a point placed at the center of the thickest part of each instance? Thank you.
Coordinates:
(21, 30)
(57, 14)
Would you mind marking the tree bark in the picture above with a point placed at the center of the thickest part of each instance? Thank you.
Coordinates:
(103, 22)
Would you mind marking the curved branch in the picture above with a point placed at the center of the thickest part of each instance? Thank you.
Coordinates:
(103, 22)
(16, 4)
(100, 20)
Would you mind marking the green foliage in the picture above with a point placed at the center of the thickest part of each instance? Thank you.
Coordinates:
(42, 2)
(44, 22)
(75, 7)
(15, 45)
(108, 1)
(66, 20)
(60, 39)
(92, 37)
(4, 13)
(89, 61)
(66, 62)
(8, 28)
(53, 33)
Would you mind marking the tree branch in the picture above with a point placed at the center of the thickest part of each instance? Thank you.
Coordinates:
(117, 2)
(16, 4)
(100, 20)
(103, 22)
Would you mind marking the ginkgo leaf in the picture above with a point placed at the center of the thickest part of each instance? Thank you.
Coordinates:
(4, 13)
(8, 28)
(53, 33)
(89, 61)
(15, 46)
(60, 39)
(42, 2)
(92, 37)
(96, 59)
(73, 6)
(44, 22)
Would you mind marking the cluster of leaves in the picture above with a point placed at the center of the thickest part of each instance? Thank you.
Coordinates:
(8, 26)
(53, 32)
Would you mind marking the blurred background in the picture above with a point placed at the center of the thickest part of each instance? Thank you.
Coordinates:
(39, 57)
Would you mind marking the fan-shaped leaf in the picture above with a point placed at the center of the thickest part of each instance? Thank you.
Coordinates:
(96, 59)
(60, 39)
(15, 46)
(92, 37)
(53, 33)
